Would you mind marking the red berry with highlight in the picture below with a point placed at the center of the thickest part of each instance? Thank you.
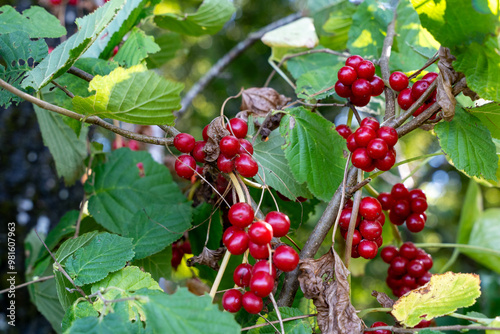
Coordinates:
(361, 159)
(370, 208)
(344, 130)
(347, 75)
(418, 205)
(354, 61)
(263, 265)
(377, 148)
(370, 122)
(261, 284)
(399, 191)
(205, 132)
(251, 303)
(185, 166)
(260, 233)
(398, 265)
(387, 161)
(388, 253)
(225, 164)
(367, 249)
(238, 127)
(258, 251)
(365, 70)
(242, 274)
(241, 215)
(246, 165)
(398, 81)
(360, 101)
(198, 153)
(401, 208)
(361, 88)
(415, 268)
(415, 223)
(342, 90)
(229, 146)
(232, 300)
(370, 229)
(405, 100)
(285, 258)
(385, 199)
(238, 243)
(378, 331)
(245, 147)
(388, 134)
(430, 77)
(408, 251)
(377, 85)
(351, 143)
(364, 135)
(418, 89)
(279, 222)
(184, 142)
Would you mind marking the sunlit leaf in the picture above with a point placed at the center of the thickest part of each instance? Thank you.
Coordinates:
(300, 65)
(489, 114)
(317, 81)
(137, 47)
(77, 311)
(35, 21)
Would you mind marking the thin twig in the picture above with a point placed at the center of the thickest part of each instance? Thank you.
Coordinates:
(390, 104)
(278, 313)
(80, 215)
(64, 89)
(429, 62)
(355, 111)
(277, 321)
(80, 73)
(170, 130)
(357, 186)
(352, 223)
(41, 279)
(342, 199)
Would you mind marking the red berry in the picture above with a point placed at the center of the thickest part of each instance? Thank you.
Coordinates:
(381, 219)
(359, 101)
(285, 258)
(354, 252)
(186, 247)
(365, 70)
(347, 75)
(344, 130)
(225, 164)
(430, 77)
(377, 148)
(364, 135)
(386, 162)
(351, 143)
(417, 193)
(246, 165)
(418, 89)
(345, 218)
(385, 199)
(241, 215)
(342, 90)
(228, 233)
(205, 132)
(399, 191)
(426, 261)
(261, 284)
(238, 127)
(184, 142)
(426, 278)
(370, 122)
(231, 300)
(198, 153)
(251, 303)
(423, 324)
(258, 251)
(185, 166)
(260, 233)
(388, 134)
(370, 208)
(370, 229)
(237, 243)
(395, 219)
(408, 251)
(398, 265)
(409, 281)
(55, 2)
(404, 99)
(367, 249)
(280, 223)
(415, 223)
(361, 88)
(263, 265)
(242, 274)
(354, 61)
(134, 145)
(229, 146)
(356, 236)
(401, 208)
(420, 109)
(415, 268)
(378, 331)
(245, 147)
(402, 291)
(361, 159)
(377, 86)
(398, 81)
(379, 241)
(388, 253)
(418, 205)
(393, 283)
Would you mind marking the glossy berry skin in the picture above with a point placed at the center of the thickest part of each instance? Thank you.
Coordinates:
(401, 208)
(361, 88)
(388, 253)
(415, 223)
(370, 122)
(354, 252)
(430, 77)
(409, 281)
(418, 89)
(237, 243)
(242, 275)
(388, 134)
(387, 161)
(342, 90)
(426, 261)
(246, 165)
(370, 208)
(238, 127)
(184, 142)
(232, 300)
(198, 153)
(347, 75)
(424, 279)
(420, 109)
(377, 85)
(423, 324)
(261, 284)
(279, 222)
(229, 146)
(285, 258)
(258, 251)
(225, 164)
(417, 193)
(356, 236)
(398, 265)
(364, 135)
(241, 215)
(370, 229)
(367, 249)
(251, 303)
(365, 70)
(381, 219)
(56, 2)
(418, 205)
(377, 148)
(354, 61)
(361, 159)
(415, 268)
(399, 191)
(245, 147)
(344, 130)
(395, 219)
(345, 218)
(408, 251)
(360, 101)
(398, 81)
(263, 265)
(351, 143)
(405, 99)
(379, 331)
(260, 233)
(228, 233)
(185, 166)
(385, 199)
(205, 132)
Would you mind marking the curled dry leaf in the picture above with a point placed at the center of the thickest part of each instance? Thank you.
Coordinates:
(325, 282)
(447, 77)
(383, 299)
(216, 131)
(208, 257)
(197, 287)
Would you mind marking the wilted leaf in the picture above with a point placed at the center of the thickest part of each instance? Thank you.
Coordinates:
(215, 133)
(383, 299)
(443, 295)
(446, 78)
(259, 101)
(208, 257)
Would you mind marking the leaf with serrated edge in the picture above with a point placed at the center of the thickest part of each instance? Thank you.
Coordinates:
(489, 114)
(300, 65)
(72, 245)
(319, 80)
(66, 53)
(133, 95)
(314, 151)
(77, 311)
(104, 254)
(112, 323)
(469, 145)
(35, 21)
(443, 295)
(137, 47)
(208, 19)
(158, 265)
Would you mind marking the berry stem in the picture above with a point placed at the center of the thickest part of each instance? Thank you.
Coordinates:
(342, 199)
(237, 187)
(281, 73)
(371, 190)
(278, 313)
(450, 262)
(352, 222)
(192, 190)
(425, 156)
(252, 184)
(220, 273)
(469, 318)
(446, 245)
(349, 118)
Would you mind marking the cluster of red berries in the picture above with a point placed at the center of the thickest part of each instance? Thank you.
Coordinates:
(367, 237)
(179, 248)
(358, 82)
(372, 146)
(408, 95)
(235, 151)
(409, 267)
(405, 206)
(257, 239)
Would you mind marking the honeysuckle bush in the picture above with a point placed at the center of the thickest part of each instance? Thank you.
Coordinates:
(113, 259)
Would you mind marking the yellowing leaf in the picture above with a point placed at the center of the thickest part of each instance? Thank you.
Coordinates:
(495, 323)
(441, 296)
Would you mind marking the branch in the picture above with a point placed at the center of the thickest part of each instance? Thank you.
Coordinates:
(228, 58)
(82, 118)
(64, 89)
(41, 279)
(80, 73)
(390, 105)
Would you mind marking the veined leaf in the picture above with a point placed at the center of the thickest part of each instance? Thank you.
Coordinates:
(314, 151)
(469, 145)
(489, 114)
(66, 53)
(337, 27)
(169, 44)
(132, 95)
(208, 19)
(300, 65)
(72, 245)
(35, 21)
(441, 296)
(316, 81)
(137, 47)
(112, 323)
(158, 265)
(77, 311)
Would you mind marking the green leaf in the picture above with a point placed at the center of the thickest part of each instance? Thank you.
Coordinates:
(201, 221)
(63, 288)
(185, 313)
(169, 44)
(300, 326)
(126, 18)
(481, 65)
(468, 144)
(158, 265)
(485, 233)
(112, 323)
(157, 226)
(137, 47)
(314, 151)
(118, 191)
(19, 54)
(72, 245)
(77, 311)
(316, 81)
(104, 254)
(495, 323)
(274, 168)
(208, 19)
(489, 114)
(35, 21)
(471, 209)
(66, 53)
(300, 65)
(318, 6)
(333, 22)
(443, 295)
(133, 95)
(455, 22)
(413, 44)
(68, 150)
(368, 29)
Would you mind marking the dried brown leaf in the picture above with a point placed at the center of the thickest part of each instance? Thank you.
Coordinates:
(383, 299)
(447, 77)
(325, 282)
(208, 257)
(197, 287)
(216, 131)
(261, 101)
